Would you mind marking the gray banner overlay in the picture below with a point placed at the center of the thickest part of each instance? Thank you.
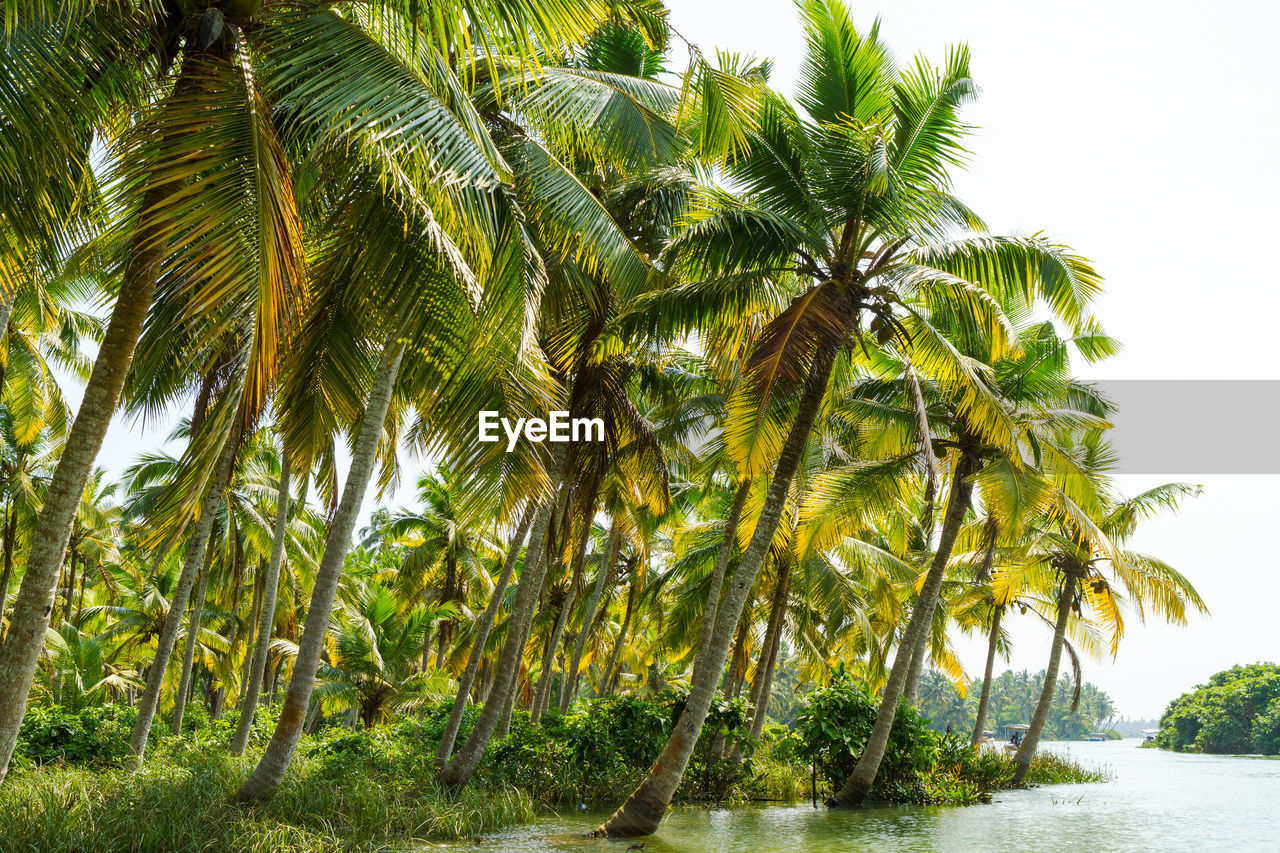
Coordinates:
(1194, 426)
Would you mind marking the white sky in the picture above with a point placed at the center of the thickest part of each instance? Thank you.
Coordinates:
(1143, 135)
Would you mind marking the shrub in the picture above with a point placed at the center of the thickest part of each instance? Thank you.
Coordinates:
(1231, 714)
(835, 724)
(95, 735)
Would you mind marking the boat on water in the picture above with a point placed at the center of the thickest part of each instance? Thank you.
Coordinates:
(988, 736)
(1015, 732)
(1096, 737)
(1149, 735)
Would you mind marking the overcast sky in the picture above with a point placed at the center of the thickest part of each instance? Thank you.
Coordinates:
(1144, 135)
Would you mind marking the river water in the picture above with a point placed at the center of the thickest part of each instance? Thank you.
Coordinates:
(1158, 801)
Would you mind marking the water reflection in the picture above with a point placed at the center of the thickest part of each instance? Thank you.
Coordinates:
(1158, 801)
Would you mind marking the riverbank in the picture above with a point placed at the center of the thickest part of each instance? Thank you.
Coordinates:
(368, 790)
(1154, 801)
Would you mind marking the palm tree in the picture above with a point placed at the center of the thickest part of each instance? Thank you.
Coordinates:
(852, 197)
(439, 547)
(267, 606)
(481, 636)
(81, 673)
(94, 535)
(203, 175)
(373, 666)
(1079, 543)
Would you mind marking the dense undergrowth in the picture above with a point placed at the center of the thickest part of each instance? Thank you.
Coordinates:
(74, 787)
(920, 765)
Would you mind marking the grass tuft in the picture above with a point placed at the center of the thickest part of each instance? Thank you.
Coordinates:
(183, 804)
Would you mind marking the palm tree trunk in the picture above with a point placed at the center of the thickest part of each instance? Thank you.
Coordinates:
(918, 656)
(644, 809)
(193, 639)
(542, 699)
(267, 615)
(966, 467)
(728, 546)
(1027, 751)
(80, 602)
(769, 656)
(22, 647)
(589, 618)
(458, 772)
(196, 547)
(71, 585)
(250, 641)
(920, 626)
(610, 677)
(10, 530)
(483, 627)
(448, 592)
(542, 695)
(266, 777)
(984, 698)
(508, 708)
(734, 678)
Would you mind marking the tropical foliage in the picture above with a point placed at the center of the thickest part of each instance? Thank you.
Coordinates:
(835, 419)
(1237, 712)
(1013, 700)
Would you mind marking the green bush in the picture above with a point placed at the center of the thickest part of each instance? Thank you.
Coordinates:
(920, 764)
(1234, 713)
(1266, 730)
(90, 736)
(835, 724)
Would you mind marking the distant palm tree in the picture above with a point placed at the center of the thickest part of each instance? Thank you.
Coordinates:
(81, 673)
(373, 666)
(1079, 543)
(440, 552)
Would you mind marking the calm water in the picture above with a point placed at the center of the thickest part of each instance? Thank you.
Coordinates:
(1158, 801)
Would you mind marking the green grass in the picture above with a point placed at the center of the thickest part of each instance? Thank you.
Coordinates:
(1050, 768)
(182, 803)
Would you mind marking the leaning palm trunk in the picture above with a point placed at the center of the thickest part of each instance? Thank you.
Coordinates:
(31, 608)
(733, 680)
(762, 684)
(644, 809)
(984, 698)
(10, 530)
(193, 639)
(609, 679)
(483, 627)
(589, 613)
(267, 775)
(1027, 751)
(542, 694)
(196, 547)
(728, 545)
(508, 708)
(914, 641)
(462, 767)
(769, 656)
(542, 697)
(266, 614)
(255, 613)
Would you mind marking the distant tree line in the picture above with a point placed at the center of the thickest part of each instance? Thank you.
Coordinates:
(1013, 700)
